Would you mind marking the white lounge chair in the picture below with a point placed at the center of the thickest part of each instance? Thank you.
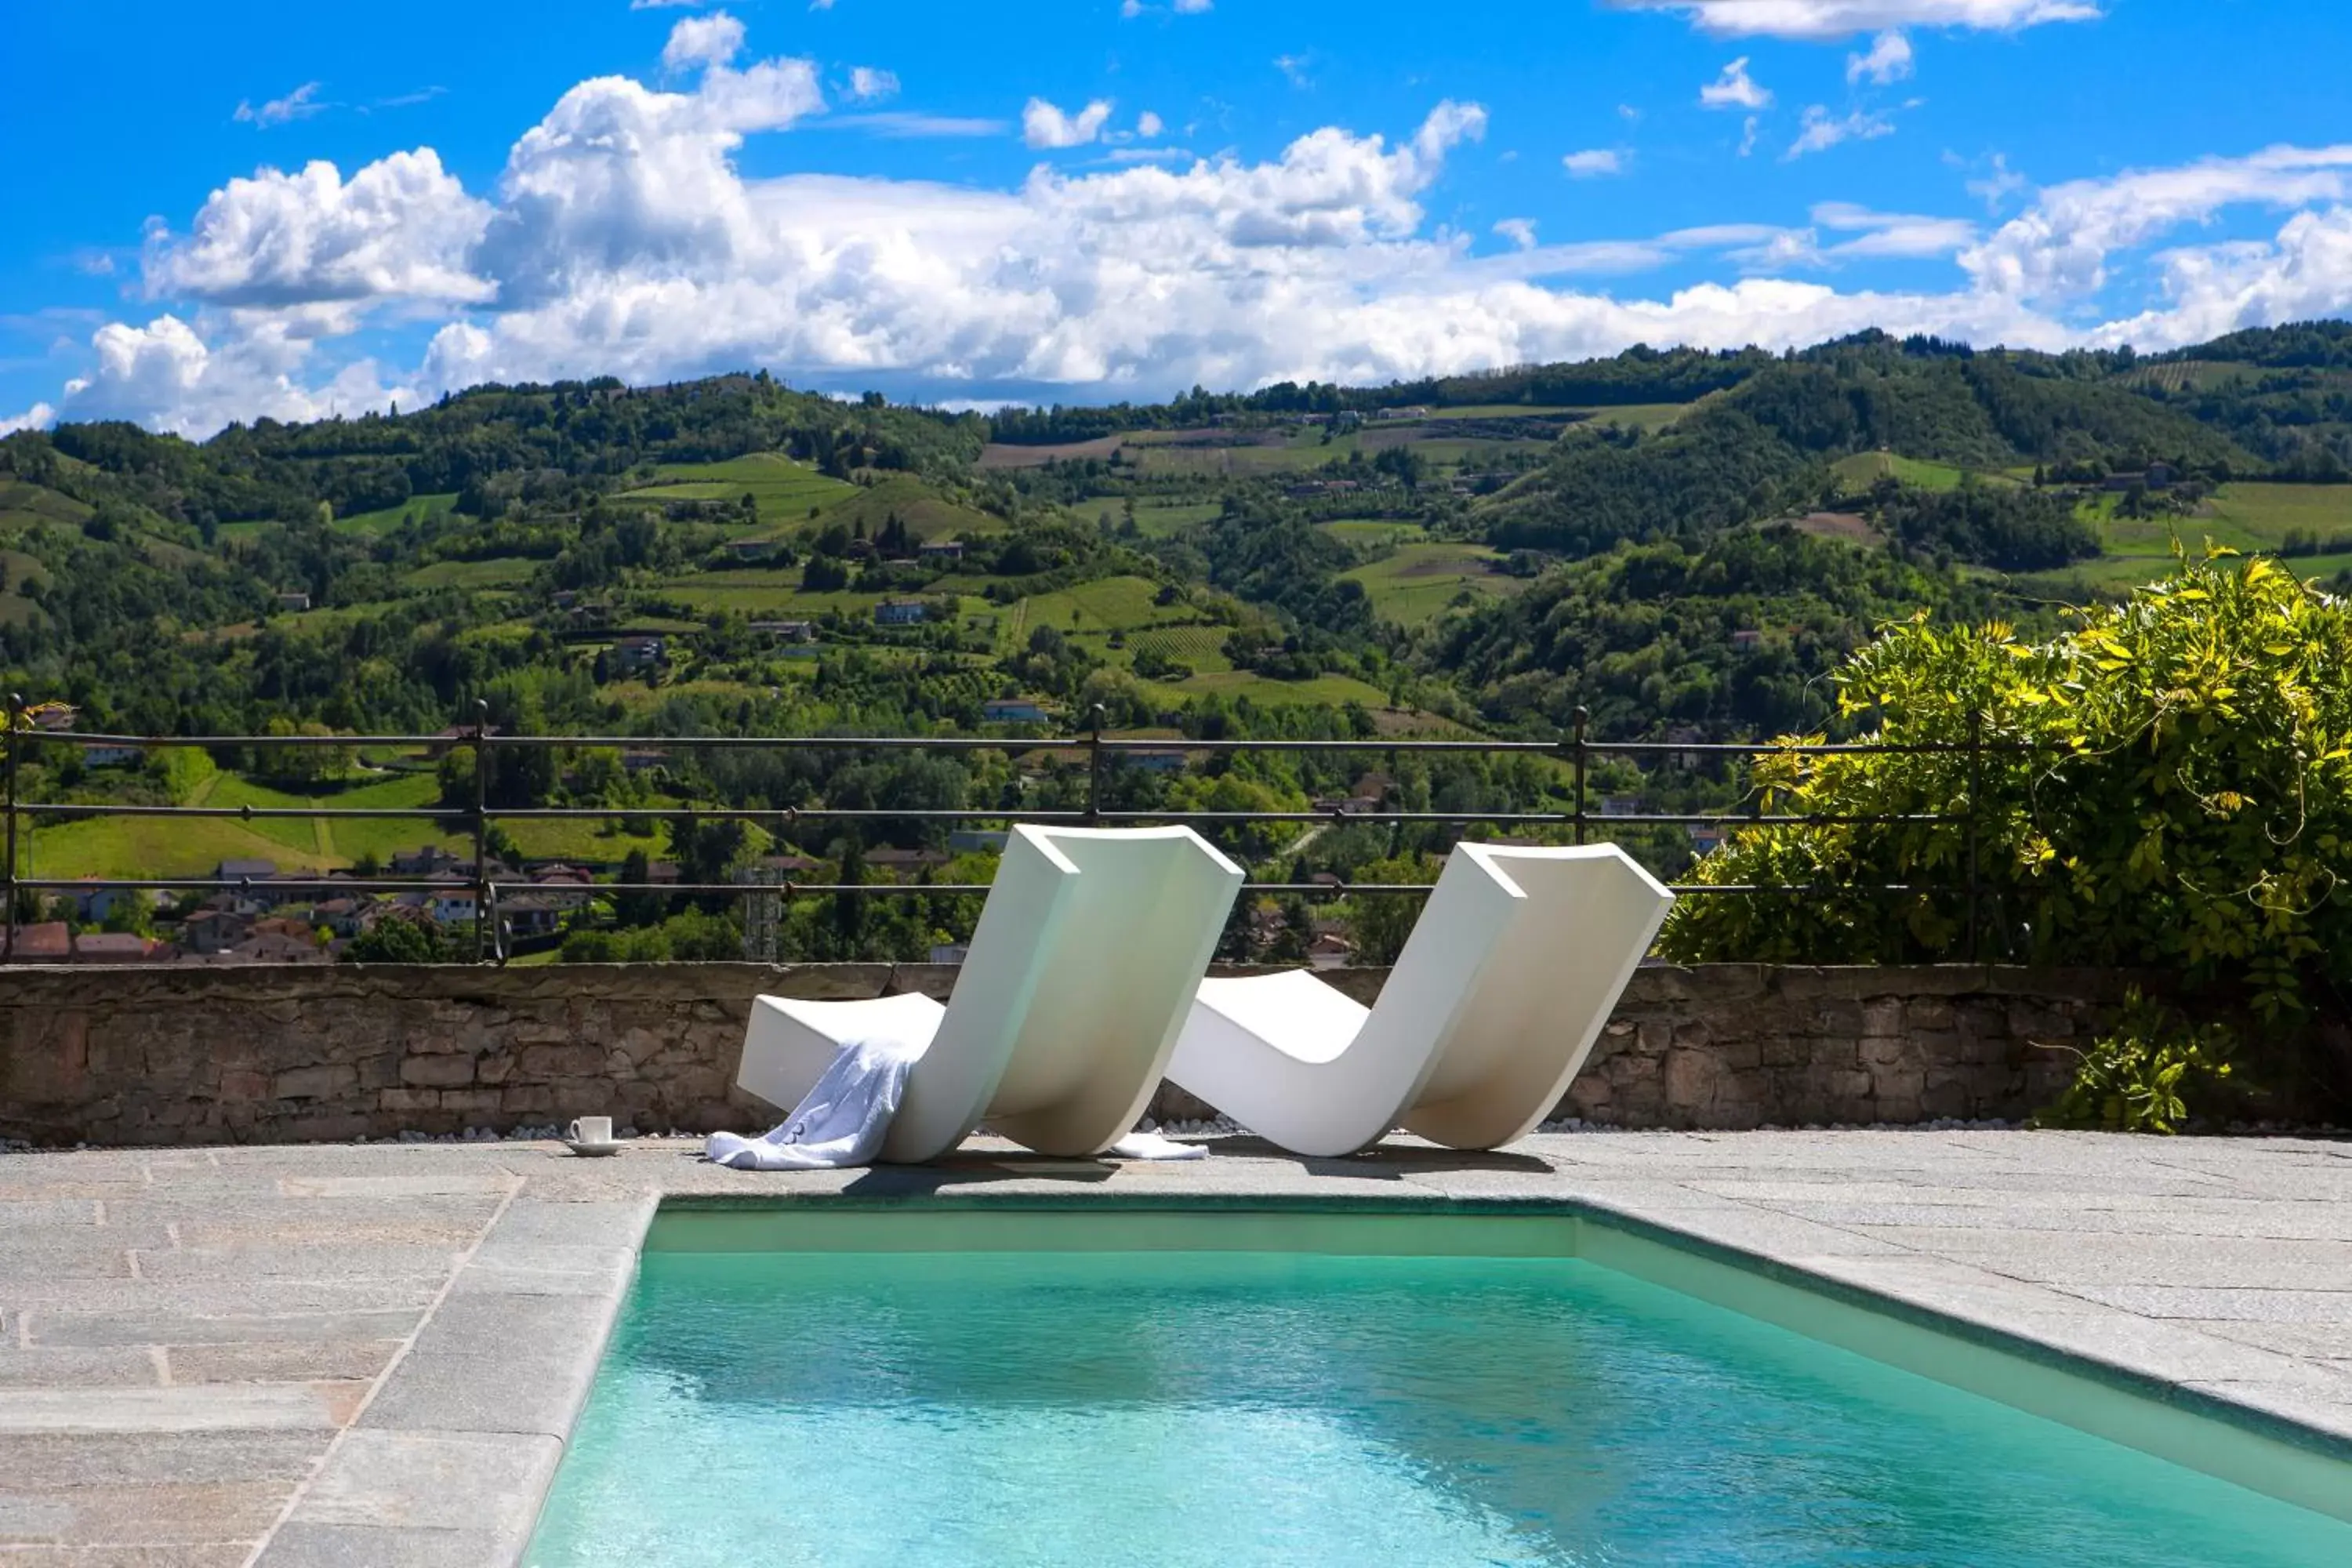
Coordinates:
(1505, 981)
(1069, 1001)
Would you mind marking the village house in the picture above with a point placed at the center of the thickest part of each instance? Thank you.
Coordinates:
(786, 867)
(973, 840)
(1169, 759)
(454, 906)
(95, 906)
(431, 860)
(632, 654)
(904, 862)
(942, 550)
(1329, 950)
(345, 917)
(751, 549)
(529, 915)
(785, 631)
(274, 947)
(901, 613)
(216, 930)
(562, 886)
(294, 600)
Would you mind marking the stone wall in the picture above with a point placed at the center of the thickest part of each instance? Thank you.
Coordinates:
(163, 1055)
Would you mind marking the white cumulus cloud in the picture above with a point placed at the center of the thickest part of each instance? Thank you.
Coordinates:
(399, 229)
(1827, 20)
(1888, 60)
(1594, 163)
(623, 237)
(2058, 248)
(1820, 129)
(698, 41)
(300, 104)
(1045, 125)
(870, 84)
(37, 417)
(1733, 89)
(1147, 125)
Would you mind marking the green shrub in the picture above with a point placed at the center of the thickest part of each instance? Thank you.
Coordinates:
(2167, 785)
(2142, 1076)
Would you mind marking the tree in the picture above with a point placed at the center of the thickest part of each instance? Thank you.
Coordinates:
(399, 937)
(2169, 788)
(1381, 923)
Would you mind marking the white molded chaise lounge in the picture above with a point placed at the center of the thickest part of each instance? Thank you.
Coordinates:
(1087, 957)
(1510, 973)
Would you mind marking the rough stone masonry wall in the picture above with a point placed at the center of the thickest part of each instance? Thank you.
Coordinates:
(162, 1056)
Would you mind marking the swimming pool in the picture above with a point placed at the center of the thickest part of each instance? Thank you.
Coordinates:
(911, 1388)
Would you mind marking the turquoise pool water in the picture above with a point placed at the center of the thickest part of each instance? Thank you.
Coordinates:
(1230, 1409)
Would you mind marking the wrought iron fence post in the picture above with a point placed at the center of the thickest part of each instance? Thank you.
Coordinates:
(1583, 721)
(16, 724)
(481, 830)
(1976, 809)
(1095, 717)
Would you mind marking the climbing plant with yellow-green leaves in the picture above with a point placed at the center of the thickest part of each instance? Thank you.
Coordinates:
(2168, 784)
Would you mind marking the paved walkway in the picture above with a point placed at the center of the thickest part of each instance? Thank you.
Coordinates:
(374, 1354)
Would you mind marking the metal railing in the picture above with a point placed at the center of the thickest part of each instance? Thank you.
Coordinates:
(1576, 749)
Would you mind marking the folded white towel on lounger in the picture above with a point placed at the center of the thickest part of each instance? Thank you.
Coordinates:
(840, 1122)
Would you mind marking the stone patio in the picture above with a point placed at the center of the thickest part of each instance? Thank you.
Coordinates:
(372, 1355)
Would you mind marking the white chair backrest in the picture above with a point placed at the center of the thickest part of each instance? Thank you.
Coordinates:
(1077, 980)
(1583, 918)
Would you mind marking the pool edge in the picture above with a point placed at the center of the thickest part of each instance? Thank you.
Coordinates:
(625, 1227)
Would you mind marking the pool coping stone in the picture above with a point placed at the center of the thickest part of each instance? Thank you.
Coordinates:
(445, 1454)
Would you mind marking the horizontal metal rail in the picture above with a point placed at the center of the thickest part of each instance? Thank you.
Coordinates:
(1092, 751)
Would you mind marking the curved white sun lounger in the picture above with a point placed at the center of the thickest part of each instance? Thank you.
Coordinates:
(1505, 981)
(1087, 957)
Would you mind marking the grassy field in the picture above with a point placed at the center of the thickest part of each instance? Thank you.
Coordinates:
(1374, 530)
(1504, 411)
(1638, 416)
(998, 455)
(1155, 520)
(340, 843)
(926, 512)
(1417, 583)
(2244, 516)
(2187, 375)
(1863, 469)
(497, 571)
(193, 847)
(26, 505)
(1107, 604)
(792, 496)
(1201, 647)
(1282, 456)
(391, 517)
(1323, 691)
(769, 595)
(783, 489)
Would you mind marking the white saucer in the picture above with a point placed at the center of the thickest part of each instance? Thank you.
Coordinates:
(593, 1150)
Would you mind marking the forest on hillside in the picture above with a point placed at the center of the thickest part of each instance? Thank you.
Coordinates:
(1677, 544)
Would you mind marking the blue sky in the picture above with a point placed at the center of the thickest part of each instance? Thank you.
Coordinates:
(232, 211)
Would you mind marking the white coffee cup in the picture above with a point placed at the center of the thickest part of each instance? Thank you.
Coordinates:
(590, 1130)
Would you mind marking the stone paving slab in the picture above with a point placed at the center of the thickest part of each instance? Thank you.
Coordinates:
(374, 1354)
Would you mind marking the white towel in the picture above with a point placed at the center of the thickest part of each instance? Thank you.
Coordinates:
(1151, 1146)
(841, 1120)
